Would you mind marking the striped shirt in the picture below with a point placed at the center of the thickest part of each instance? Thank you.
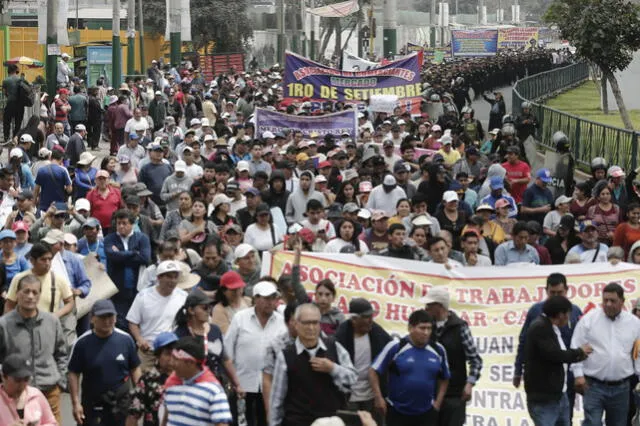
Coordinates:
(197, 404)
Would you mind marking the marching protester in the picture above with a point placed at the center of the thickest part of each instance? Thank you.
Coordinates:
(199, 197)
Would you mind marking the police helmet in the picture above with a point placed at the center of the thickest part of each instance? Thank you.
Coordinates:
(525, 104)
(508, 129)
(599, 163)
(507, 118)
(560, 140)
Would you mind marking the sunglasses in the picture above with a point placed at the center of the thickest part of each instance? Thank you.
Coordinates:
(61, 216)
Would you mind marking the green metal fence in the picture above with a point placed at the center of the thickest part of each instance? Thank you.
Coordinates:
(588, 138)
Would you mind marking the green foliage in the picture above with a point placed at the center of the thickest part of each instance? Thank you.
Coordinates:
(605, 32)
(221, 21)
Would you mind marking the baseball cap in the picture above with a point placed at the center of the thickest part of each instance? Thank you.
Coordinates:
(82, 204)
(302, 157)
(496, 182)
(7, 233)
(53, 237)
(16, 152)
(103, 307)
(70, 238)
(168, 266)
(16, 366)
(378, 214)
(80, 127)
(197, 297)
(436, 128)
(232, 280)
(44, 153)
(322, 164)
(242, 250)
(400, 167)
(502, 202)
(164, 339)
(360, 307)
(26, 138)
(350, 208)
(180, 166)
(102, 173)
(449, 196)
(242, 166)
(321, 179)
(364, 214)
(124, 159)
(586, 224)
(567, 222)
(437, 295)
(544, 175)
(365, 186)
(486, 206)
(494, 131)
(20, 226)
(265, 289)
(563, 199)
(235, 228)
(91, 222)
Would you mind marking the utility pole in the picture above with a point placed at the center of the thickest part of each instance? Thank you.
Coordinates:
(174, 36)
(389, 42)
(141, 35)
(131, 36)
(312, 21)
(116, 49)
(432, 24)
(281, 39)
(52, 39)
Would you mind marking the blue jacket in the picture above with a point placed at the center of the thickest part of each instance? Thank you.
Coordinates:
(126, 263)
(76, 272)
(534, 312)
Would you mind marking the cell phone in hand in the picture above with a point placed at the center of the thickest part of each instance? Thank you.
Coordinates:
(350, 418)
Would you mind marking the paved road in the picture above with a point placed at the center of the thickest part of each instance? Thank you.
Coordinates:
(482, 107)
(629, 81)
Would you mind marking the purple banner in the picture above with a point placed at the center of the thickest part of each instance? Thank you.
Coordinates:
(304, 78)
(336, 123)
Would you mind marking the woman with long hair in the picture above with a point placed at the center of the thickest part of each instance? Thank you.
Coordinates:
(229, 300)
(563, 240)
(195, 230)
(34, 129)
(262, 235)
(604, 213)
(346, 235)
(347, 194)
(110, 163)
(193, 320)
(581, 201)
(221, 208)
(175, 217)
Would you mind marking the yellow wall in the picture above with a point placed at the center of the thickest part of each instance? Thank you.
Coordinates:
(24, 42)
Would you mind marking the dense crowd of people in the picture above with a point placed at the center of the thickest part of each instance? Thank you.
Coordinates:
(191, 195)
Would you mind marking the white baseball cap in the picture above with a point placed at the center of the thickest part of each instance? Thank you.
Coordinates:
(265, 289)
(180, 166)
(168, 266)
(242, 250)
(242, 166)
(16, 152)
(82, 204)
(449, 196)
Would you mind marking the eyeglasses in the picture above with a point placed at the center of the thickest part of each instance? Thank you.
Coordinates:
(60, 216)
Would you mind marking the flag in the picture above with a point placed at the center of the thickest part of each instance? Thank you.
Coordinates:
(336, 10)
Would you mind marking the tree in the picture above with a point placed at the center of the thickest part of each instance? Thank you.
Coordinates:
(224, 22)
(605, 33)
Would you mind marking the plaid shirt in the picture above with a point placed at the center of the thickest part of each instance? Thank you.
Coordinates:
(344, 376)
(470, 352)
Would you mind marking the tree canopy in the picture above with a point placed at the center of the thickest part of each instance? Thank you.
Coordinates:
(605, 32)
(221, 21)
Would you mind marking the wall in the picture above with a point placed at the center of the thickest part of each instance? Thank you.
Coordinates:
(23, 41)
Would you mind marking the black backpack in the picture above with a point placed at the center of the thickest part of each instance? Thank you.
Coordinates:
(25, 93)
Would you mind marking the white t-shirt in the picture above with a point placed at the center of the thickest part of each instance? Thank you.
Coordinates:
(130, 125)
(194, 171)
(335, 245)
(260, 239)
(590, 255)
(361, 390)
(151, 320)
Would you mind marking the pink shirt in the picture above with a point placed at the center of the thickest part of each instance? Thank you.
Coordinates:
(36, 409)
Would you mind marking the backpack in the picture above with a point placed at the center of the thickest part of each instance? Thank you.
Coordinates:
(25, 93)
